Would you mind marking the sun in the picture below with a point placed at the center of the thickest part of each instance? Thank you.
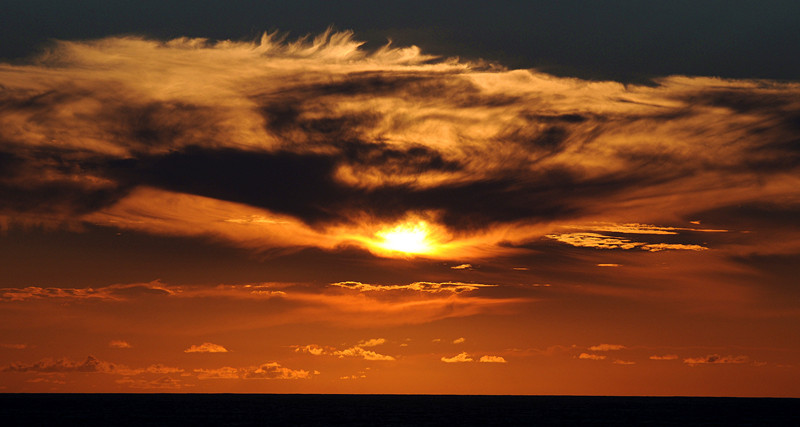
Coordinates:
(408, 238)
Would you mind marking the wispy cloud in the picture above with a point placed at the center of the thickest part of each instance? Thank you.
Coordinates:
(113, 131)
(433, 287)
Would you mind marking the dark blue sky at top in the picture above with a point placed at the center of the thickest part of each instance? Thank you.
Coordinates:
(617, 39)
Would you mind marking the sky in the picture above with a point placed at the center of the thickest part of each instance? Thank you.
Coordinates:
(553, 198)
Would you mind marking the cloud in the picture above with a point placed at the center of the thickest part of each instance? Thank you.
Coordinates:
(225, 373)
(312, 349)
(587, 356)
(624, 362)
(90, 364)
(274, 371)
(357, 351)
(459, 358)
(206, 347)
(600, 241)
(462, 267)
(664, 357)
(319, 143)
(492, 359)
(433, 287)
(119, 344)
(713, 359)
(459, 340)
(606, 347)
(14, 346)
(372, 342)
(107, 293)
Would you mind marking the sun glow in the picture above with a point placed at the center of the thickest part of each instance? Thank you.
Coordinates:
(407, 238)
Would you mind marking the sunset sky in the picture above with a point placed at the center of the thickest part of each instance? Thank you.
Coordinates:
(272, 197)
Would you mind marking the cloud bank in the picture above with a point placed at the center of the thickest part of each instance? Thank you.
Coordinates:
(317, 142)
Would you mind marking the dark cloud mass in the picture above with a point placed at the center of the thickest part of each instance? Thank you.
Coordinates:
(328, 134)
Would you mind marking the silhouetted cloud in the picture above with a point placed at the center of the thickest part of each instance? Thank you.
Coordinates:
(329, 144)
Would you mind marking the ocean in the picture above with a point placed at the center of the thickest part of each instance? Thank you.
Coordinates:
(389, 410)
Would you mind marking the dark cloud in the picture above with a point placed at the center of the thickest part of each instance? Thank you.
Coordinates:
(378, 135)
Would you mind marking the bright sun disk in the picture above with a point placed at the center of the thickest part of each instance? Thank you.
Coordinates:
(407, 238)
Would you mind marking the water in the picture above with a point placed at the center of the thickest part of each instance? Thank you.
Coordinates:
(389, 410)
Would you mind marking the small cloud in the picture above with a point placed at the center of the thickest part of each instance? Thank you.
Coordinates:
(492, 359)
(206, 347)
(713, 359)
(119, 344)
(14, 346)
(436, 340)
(223, 373)
(606, 347)
(357, 351)
(462, 267)
(624, 362)
(310, 349)
(274, 371)
(664, 357)
(607, 265)
(372, 342)
(695, 222)
(587, 356)
(459, 340)
(521, 268)
(460, 357)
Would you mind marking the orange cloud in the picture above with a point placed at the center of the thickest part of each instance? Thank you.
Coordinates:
(459, 358)
(606, 347)
(664, 357)
(713, 359)
(587, 356)
(459, 340)
(492, 359)
(433, 287)
(119, 344)
(206, 347)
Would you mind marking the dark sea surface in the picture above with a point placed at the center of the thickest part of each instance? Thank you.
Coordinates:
(390, 410)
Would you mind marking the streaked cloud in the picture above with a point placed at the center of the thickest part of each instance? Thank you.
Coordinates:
(206, 347)
(454, 287)
(600, 241)
(459, 340)
(664, 357)
(623, 362)
(607, 347)
(462, 267)
(14, 346)
(119, 344)
(713, 359)
(588, 356)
